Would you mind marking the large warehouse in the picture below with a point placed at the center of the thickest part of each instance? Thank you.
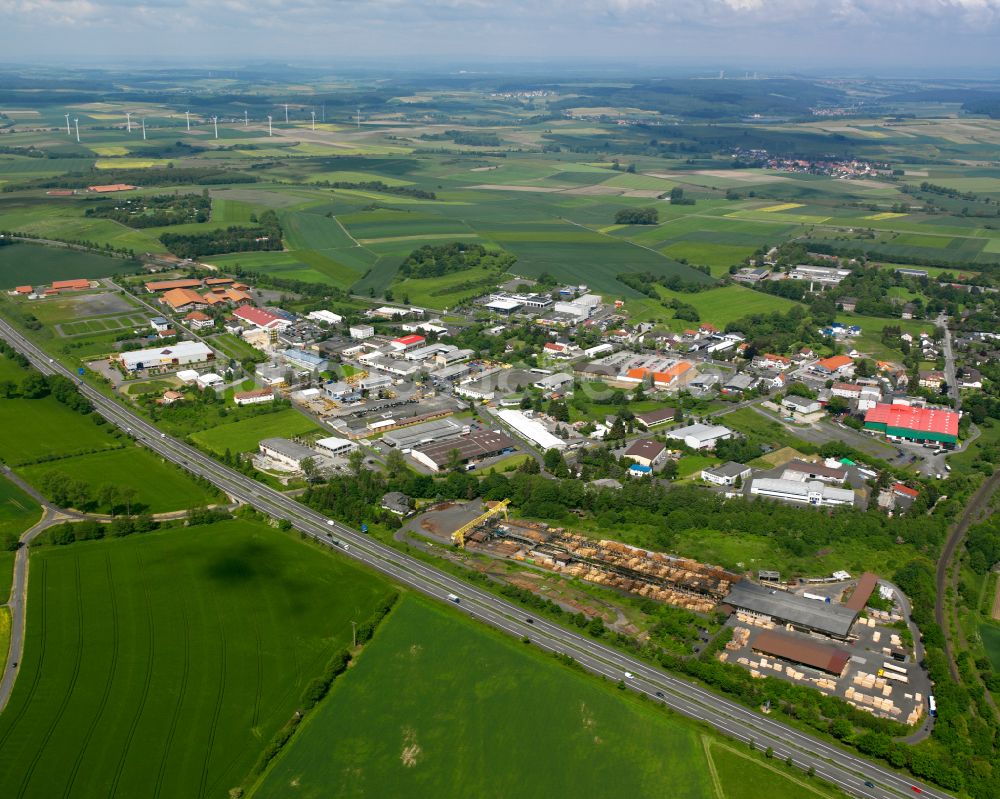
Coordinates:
(914, 424)
(428, 432)
(440, 454)
(182, 353)
(802, 651)
(531, 429)
(807, 615)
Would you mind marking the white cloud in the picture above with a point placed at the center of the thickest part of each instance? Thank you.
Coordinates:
(716, 29)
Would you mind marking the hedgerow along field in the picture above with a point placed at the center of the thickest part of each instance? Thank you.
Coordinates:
(436, 702)
(160, 665)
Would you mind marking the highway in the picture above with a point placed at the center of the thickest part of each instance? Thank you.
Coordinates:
(837, 766)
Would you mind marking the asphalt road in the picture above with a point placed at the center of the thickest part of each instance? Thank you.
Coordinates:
(848, 771)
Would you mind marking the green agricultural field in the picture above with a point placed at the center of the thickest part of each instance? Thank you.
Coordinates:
(466, 707)
(161, 487)
(159, 665)
(34, 429)
(243, 436)
(726, 304)
(18, 512)
(36, 264)
(448, 290)
(741, 775)
(6, 580)
(10, 370)
(990, 634)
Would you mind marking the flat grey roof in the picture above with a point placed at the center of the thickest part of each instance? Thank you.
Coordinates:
(730, 469)
(426, 432)
(825, 617)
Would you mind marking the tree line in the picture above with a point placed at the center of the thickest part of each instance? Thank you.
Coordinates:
(265, 235)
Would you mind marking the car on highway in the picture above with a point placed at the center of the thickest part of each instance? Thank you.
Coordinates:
(529, 619)
(869, 784)
(915, 789)
(660, 694)
(629, 675)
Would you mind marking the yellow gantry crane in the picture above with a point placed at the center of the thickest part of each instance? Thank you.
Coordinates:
(459, 535)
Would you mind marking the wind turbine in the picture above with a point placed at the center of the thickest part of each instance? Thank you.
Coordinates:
(76, 124)
(324, 113)
(144, 129)
(215, 122)
(269, 133)
(359, 117)
(187, 116)
(128, 121)
(68, 131)
(314, 120)
(246, 118)
(286, 113)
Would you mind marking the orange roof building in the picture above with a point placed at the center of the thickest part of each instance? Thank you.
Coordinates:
(835, 363)
(672, 374)
(166, 285)
(183, 298)
(77, 284)
(197, 316)
(112, 187)
(218, 281)
(236, 297)
(24, 289)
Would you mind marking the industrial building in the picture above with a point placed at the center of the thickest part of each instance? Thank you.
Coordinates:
(914, 424)
(325, 316)
(806, 492)
(285, 452)
(426, 433)
(798, 469)
(254, 397)
(802, 651)
(338, 447)
(655, 418)
(646, 452)
(801, 405)
(726, 474)
(556, 382)
(477, 446)
(305, 360)
(533, 430)
(701, 436)
(862, 592)
(182, 353)
(782, 607)
(361, 332)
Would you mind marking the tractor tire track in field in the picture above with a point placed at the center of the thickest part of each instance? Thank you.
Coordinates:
(112, 673)
(181, 695)
(213, 728)
(42, 746)
(36, 677)
(151, 649)
(259, 654)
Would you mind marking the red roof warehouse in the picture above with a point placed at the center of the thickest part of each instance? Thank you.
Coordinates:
(916, 424)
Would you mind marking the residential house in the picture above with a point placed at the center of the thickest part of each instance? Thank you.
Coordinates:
(932, 380)
(199, 320)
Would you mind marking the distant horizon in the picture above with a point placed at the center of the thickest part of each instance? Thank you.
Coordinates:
(566, 68)
(930, 38)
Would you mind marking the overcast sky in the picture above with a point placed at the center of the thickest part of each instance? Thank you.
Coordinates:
(847, 36)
